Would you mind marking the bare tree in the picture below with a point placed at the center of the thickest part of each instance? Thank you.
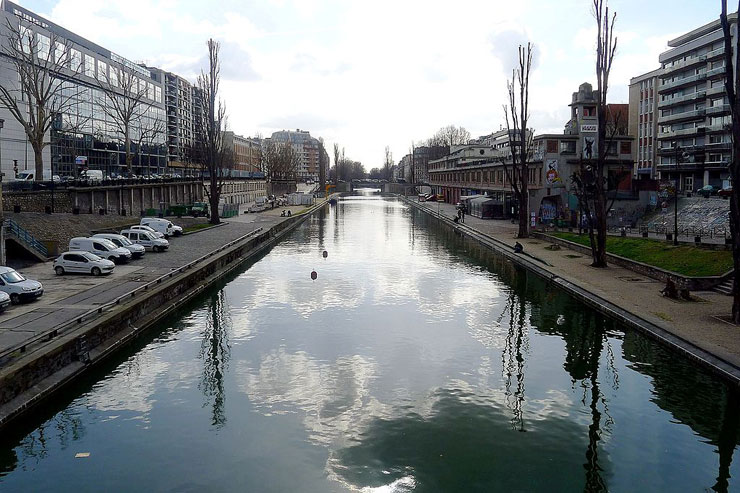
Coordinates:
(606, 47)
(387, 164)
(280, 161)
(732, 87)
(336, 162)
(148, 130)
(37, 99)
(323, 164)
(126, 98)
(215, 160)
(520, 139)
(451, 136)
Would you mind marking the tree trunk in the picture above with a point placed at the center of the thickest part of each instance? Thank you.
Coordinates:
(38, 156)
(213, 199)
(523, 215)
(129, 156)
(600, 253)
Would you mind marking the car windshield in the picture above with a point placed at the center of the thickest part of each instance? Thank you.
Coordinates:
(91, 256)
(12, 277)
(125, 241)
(108, 243)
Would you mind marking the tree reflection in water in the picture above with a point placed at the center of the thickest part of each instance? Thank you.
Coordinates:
(512, 359)
(215, 350)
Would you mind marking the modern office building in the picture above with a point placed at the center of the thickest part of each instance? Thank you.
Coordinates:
(643, 122)
(694, 110)
(84, 134)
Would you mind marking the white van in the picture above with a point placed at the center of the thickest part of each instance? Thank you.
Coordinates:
(92, 175)
(101, 247)
(123, 242)
(148, 229)
(146, 239)
(161, 225)
(29, 175)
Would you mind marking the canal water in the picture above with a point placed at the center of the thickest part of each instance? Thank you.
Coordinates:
(416, 361)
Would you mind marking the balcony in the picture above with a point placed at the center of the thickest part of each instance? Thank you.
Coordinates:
(686, 115)
(715, 53)
(716, 72)
(681, 99)
(670, 151)
(682, 82)
(718, 110)
(716, 90)
(721, 164)
(719, 146)
(697, 60)
(677, 133)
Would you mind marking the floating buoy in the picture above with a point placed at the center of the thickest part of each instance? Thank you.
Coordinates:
(314, 275)
(325, 254)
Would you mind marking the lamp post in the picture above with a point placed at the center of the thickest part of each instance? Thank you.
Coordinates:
(2, 212)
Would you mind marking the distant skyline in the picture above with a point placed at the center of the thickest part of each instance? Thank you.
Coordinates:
(373, 74)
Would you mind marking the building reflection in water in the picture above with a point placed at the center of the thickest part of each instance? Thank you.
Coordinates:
(215, 351)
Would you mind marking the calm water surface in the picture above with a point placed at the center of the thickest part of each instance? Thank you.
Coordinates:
(417, 361)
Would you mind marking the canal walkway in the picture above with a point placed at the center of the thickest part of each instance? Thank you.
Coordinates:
(68, 297)
(698, 323)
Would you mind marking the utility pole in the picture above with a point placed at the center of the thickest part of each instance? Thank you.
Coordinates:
(679, 154)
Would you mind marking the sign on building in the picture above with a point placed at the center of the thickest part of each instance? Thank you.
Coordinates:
(552, 176)
(589, 128)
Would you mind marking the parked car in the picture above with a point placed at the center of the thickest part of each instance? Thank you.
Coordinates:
(146, 239)
(149, 229)
(164, 226)
(4, 301)
(82, 262)
(725, 192)
(707, 190)
(100, 247)
(92, 175)
(123, 242)
(18, 287)
(199, 209)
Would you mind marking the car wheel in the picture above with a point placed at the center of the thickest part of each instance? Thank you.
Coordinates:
(15, 298)
(59, 270)
(95, 271)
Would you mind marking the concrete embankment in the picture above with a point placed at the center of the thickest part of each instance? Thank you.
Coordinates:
(37, 374)
(692, 329)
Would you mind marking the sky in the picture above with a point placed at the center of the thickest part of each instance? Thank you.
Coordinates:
(371, 74)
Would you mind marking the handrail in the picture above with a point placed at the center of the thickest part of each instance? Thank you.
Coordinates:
(52, 333)
(26, 237)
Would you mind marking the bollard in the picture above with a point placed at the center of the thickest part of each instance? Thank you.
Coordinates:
(697, 239)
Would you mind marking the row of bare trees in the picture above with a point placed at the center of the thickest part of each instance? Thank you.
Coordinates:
(345, 169)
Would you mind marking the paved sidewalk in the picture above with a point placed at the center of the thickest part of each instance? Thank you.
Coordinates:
(696, 322)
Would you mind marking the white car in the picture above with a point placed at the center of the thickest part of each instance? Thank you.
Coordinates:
(140, 227)
(18, 287)
(100, 247)
(84, 262)
(4, 301)
(146, 239)
(123, 242)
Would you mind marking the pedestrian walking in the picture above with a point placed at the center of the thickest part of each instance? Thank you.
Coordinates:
(462, 215)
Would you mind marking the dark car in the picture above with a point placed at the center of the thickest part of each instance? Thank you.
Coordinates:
(725, 192)
(707, 190)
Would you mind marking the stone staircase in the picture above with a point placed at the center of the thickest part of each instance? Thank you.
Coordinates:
(725, 287)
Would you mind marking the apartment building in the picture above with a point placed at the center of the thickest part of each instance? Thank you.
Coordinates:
(83, 135)
(308, 150)
(247, 152)
(694, 110)
(643, 122)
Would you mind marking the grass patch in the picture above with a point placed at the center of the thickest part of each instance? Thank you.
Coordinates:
(664, 316)
(196, 227)
(686, 260)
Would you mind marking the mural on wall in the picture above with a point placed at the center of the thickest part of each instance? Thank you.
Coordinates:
(589, 147)
(552, 177)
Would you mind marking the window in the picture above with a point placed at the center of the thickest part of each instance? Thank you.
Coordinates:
(98, 246)
(102, 70)
(89, 67)
(552, 146)
(60, 54)
(75, 58)
(114, 77)
(625, 147)
(44, 46)
(568, 147)
(589, 111)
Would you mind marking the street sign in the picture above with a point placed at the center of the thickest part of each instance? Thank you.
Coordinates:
(81, 160)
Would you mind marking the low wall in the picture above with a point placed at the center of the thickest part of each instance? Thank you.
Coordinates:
(691, 283)
(31, 379)
(113, 198)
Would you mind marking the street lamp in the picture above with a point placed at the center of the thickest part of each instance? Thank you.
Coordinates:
(2, 212)
(678, 154)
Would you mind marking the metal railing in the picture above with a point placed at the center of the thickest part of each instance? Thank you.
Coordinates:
(25, 237)
(92, 313)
